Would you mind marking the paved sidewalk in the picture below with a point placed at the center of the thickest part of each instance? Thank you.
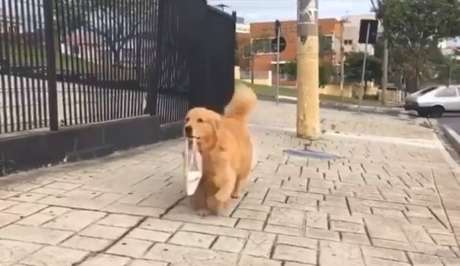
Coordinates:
(392, 199)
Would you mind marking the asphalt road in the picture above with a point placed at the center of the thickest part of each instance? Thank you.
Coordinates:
(452, 120)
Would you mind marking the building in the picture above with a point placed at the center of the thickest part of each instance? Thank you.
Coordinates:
(351, 34)
(451, 48)
(255, 53)
(331, 31)
(243, 38)
(21, 16)
(241, 26)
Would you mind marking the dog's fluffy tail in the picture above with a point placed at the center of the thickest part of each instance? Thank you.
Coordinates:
(242, 103)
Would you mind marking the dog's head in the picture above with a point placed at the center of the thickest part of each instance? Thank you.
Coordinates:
(202, 124)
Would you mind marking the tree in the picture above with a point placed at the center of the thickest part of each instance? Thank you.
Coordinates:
(116, 21)
(354, 66)
(325, 44)
(290, 68)
(414, 29)
(326, 72)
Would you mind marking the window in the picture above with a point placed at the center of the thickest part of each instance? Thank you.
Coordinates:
(262, 46)
(348, 42)
(447, 92)
(325, 43)
(247, 51)
(427, 90)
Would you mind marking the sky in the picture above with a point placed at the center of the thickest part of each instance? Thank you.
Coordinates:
(269, 10)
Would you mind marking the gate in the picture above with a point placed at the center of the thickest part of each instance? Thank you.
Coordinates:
(78, 62)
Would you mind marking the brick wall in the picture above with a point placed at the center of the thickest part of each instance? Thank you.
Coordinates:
(266, 30)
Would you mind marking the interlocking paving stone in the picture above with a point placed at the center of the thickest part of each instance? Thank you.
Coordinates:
(391, 200)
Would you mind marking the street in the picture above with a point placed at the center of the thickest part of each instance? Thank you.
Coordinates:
(452, 120)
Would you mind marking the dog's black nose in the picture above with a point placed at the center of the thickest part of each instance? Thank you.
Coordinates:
(188, 131)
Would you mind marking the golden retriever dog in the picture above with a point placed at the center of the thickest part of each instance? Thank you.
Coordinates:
(224, 143)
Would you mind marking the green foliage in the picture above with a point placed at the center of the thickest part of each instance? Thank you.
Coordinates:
(326, 70)
(325, 44)
(289, 68)
(354, 68)
(326, 73)
(420, 24)
(414, 29)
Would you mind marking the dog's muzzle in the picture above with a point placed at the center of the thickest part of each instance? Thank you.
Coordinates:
(188, 131)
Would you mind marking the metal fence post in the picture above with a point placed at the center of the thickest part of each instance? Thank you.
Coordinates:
(154, 93)
(235, 47)
(51, 64)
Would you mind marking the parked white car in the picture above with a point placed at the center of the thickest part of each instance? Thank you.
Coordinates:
(434, 101)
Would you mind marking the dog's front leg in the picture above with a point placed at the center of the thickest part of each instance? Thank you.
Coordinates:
(220, 199)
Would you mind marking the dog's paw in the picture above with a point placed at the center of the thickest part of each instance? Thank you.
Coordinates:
(203, 212)
(236, 195)
(214, 205)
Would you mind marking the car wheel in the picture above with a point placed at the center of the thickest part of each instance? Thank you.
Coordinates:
(436, 111)
(422, 113)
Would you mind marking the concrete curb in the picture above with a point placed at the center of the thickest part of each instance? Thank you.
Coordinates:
(453, 137)
(394, 111)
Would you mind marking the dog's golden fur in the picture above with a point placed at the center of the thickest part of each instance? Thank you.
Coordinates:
(226, 148)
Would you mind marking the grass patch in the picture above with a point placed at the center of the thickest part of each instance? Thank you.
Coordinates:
(268, 91)
(265, 91)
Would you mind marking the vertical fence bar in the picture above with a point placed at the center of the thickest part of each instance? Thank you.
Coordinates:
(37, 59)
(119, 27)
(13, 65)
(6, 83)
(40, 70)
(19, 66)
(31, 44)
(106, 65)
(3, 60)
(139, 78)
(126, 61)
(91, 69)
(99, 65)
(51, 64)
(26, 66)
(154, 95)
(148, 56)
(42, 48)
(77, 101)
(69, 39)
(81, 58)
(61, 34)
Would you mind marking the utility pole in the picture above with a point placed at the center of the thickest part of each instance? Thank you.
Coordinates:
(278, 36)
(308, 121)
(363, 74)
(385, 69)
(342, 59)
(252, 62)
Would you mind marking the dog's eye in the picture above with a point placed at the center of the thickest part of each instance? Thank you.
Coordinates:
(200, 120)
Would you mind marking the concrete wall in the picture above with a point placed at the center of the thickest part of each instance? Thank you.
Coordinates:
(40, 148)
(349, 90)
(260, 77)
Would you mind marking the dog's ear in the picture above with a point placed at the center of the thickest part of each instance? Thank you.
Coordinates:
(215, 123)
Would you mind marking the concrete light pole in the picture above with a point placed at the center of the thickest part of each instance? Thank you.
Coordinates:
(308, 116)
(342, 57)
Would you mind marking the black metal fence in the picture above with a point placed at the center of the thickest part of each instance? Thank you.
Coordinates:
(77, 62)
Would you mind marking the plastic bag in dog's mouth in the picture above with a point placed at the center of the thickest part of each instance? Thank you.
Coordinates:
(193, 166)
